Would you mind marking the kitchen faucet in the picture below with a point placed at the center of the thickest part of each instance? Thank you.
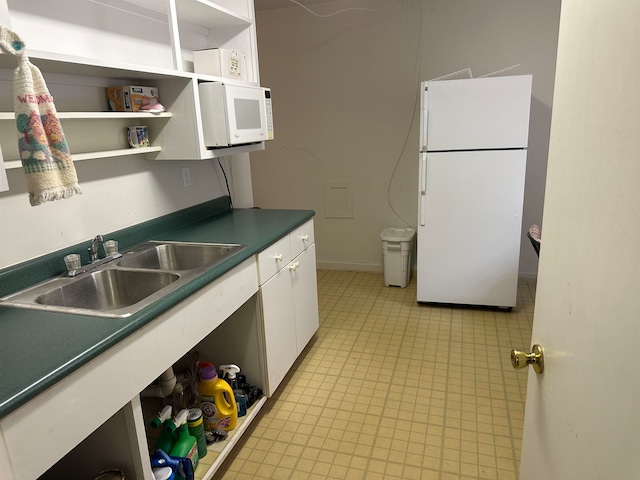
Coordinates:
(110, 251)
(95, 244)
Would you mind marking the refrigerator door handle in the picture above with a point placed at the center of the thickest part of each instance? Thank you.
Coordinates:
(422, 208)
(424, 112)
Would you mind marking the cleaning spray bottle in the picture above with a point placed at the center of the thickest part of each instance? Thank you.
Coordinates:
(168, 435)
(230, 375)
(185, 446)
(219, 409)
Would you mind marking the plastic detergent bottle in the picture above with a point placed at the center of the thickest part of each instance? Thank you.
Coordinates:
(219, 409)
(185, 446)
(230, 375)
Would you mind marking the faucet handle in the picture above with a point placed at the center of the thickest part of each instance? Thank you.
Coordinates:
(110, 247)
(72, 261)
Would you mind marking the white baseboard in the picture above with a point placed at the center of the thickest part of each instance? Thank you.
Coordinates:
(528, 275)
(371, 267)
(353, 267)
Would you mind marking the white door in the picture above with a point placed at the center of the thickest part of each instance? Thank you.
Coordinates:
(477, 113)
(582, 417)
(469, 242)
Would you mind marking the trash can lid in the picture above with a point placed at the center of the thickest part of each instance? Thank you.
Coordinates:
(394, 234)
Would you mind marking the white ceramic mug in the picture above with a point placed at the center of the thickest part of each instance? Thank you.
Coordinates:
(138, 136)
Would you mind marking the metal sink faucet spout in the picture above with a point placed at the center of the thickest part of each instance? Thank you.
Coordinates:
(95, 244)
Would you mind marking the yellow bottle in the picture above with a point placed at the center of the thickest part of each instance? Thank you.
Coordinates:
(218, 405)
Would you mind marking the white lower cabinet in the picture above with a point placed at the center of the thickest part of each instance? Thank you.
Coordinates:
(289, 302)
(278, 312)
(305, 297)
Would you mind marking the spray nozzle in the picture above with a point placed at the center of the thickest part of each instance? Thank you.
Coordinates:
(181, 417)
(164, 414)
(230, 370)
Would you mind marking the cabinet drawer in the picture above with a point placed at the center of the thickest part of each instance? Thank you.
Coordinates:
(273, 258)
(301, 238)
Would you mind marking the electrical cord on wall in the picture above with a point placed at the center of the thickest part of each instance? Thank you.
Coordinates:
(360, 9)
(226, 181)
(417, 97)
(413, 117)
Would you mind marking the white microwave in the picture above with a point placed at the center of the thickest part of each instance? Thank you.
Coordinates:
(234, 114)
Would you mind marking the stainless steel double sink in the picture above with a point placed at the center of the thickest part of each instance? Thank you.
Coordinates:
(144, 274)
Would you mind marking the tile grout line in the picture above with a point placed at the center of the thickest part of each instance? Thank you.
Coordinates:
(333, 307)
(507, 407)
(446, 396)
(379, 426)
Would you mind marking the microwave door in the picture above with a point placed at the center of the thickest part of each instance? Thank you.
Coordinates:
(246, 113)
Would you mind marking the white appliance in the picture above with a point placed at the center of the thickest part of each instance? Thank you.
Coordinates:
(234, 114)
(220, 62)
(473, 152)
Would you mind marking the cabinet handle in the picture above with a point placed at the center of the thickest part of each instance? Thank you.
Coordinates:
(294, 266)
(278, 257)
(304, 238)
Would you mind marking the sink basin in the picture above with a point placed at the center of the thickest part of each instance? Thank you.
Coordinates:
(180, 256)
(107, 289)
(118, 288)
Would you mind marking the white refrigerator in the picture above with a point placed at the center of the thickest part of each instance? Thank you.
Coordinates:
(473, 152)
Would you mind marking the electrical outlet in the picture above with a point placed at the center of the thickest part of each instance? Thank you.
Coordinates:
(186, 177)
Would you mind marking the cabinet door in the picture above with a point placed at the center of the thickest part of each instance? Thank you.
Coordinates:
(305, 297)
(278, 315)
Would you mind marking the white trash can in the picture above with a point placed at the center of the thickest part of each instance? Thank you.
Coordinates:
(397, 245)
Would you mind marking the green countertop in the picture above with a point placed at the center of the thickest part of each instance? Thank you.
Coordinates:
(39, 348)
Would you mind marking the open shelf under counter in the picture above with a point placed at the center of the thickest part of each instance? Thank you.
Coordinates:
(13, 164)
(219, 451)
(216, 452)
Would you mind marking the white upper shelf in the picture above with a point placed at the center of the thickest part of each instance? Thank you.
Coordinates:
(53, 62)
(203, 13)
(97, 115)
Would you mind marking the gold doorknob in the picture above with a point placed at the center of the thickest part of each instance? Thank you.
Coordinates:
(522, 359)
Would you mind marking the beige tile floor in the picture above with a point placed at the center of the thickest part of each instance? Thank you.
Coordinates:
(392, 389)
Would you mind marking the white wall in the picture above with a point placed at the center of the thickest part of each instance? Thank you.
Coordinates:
(117, 193)
(344, 96)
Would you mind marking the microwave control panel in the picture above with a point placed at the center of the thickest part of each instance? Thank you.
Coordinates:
(268, 113)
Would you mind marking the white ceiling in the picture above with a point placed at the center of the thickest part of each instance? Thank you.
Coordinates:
(269, 4)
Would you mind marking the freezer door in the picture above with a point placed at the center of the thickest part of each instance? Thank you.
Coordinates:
(469, 245)
(478, 113)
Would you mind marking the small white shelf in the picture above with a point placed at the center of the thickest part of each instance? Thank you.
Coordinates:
(96, 115)
(53, 62)
(204, 13)
(12, 164)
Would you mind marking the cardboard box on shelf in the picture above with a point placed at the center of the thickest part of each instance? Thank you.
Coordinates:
(220, 62)
(129, 98)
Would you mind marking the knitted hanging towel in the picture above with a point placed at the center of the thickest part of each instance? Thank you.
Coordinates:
(46, 160)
